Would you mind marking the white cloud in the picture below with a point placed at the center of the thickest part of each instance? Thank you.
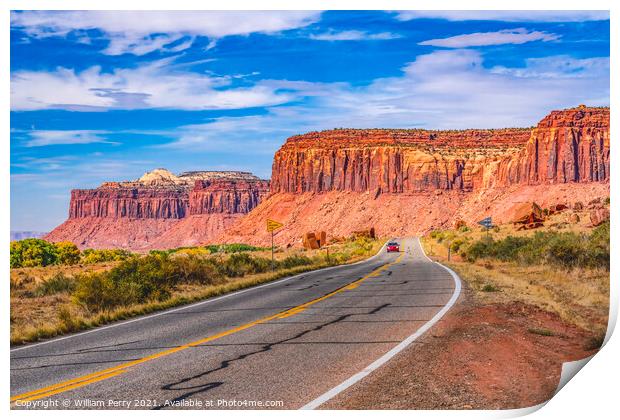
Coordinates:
(447, 89)
(479, 39)
(353, 35)
(152, 85)
(51, 137)
(507, 15)
(559, 66)
(141, 32)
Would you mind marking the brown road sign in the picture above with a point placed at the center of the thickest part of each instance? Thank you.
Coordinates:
(273, 225)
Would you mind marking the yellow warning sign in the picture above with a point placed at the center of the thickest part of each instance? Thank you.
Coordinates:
(273, 225)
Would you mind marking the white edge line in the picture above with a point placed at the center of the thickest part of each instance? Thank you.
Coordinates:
(202, 302)
(394, 351)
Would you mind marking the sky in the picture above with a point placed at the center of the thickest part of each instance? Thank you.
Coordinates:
(102, 95)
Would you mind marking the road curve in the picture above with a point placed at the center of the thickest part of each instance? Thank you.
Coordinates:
(289, 344)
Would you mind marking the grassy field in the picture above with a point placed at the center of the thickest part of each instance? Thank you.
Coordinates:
(578, 292)
(58, 299)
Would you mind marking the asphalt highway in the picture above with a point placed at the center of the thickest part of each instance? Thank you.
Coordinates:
(280, 345)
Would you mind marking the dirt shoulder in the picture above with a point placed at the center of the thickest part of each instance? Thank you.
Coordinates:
(479, 356)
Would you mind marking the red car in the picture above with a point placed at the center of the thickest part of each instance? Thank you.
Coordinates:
(393, 247)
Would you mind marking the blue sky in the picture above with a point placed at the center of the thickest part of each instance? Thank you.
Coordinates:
(99, 96)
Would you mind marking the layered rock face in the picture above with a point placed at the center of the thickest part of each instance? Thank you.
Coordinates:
(226, 196)
(138, 202)
(405, 182)
(570, 145)
(120, 214)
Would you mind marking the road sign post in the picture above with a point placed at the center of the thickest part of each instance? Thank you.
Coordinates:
(487, 222)
(272, 225)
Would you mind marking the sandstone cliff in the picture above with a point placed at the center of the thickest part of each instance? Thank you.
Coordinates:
(135, 214)
(405, 182)
(570, 145)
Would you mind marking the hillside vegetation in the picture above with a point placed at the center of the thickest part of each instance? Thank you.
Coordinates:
(561, 268)
(102, 286)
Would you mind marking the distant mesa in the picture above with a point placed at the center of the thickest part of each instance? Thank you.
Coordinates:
(134, 214)
(18, 235)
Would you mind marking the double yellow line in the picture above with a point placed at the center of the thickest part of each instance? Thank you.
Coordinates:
(117, 370)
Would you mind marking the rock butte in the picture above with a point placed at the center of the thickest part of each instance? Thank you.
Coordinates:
(403, 182)
(135, 214)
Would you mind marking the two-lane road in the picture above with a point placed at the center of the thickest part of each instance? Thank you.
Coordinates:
(285, 344)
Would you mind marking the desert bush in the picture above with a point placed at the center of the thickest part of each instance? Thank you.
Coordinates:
(294, 261)
(97, 292)
(58, 283)
(67, 319)
(232, 248)
(140, 279)
(599, 247)
(132, 281)
(67, 253)
(92, 256)
(32, 253)
(561, 249)
(196, 270)
(241, 264)
(456, 244)
(489, 288)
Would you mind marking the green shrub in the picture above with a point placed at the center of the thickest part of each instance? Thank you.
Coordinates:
(294, 261)
(68, 253)
(456, 244)
(565, 250)
(58, 283)
(140, 279)
(560, 249)
(32, 253)
(92, 256)
(67, 319)
(489, 288)
(192, 269)
(98, 292)
(599, 247)
(232, 248)
(241, 264)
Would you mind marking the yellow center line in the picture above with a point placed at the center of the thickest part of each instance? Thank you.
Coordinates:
(71, 386)
(116, 370)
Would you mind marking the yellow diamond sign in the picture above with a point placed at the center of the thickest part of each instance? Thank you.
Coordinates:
(273, 225)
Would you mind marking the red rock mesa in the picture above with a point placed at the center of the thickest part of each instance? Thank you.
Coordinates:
(405, 182)
(147, 212)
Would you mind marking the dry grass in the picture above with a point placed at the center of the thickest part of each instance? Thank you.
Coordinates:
(579, 296)
(38, 317)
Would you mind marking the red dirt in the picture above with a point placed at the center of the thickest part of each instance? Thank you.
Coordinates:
(478, 357)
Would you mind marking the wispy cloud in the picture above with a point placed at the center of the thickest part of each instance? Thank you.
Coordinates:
(353, 35)
(141, 32)
(506, 15)
(479, 39)
(38, 138)
(559, 66)
(153, 85)
(444, 89)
